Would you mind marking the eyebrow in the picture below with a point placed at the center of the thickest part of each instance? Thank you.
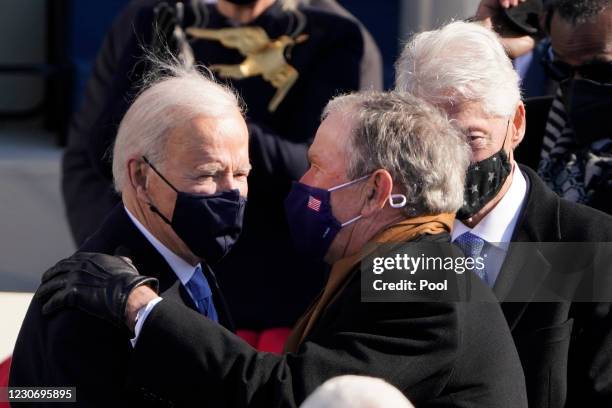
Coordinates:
(245, 168)
(216, 167)
(209, 167)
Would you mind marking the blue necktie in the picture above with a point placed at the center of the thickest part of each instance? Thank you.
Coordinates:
(472, 246)
(202, 294)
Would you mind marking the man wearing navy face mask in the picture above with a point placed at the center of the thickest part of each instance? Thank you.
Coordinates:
(377, 176)
(180, 163)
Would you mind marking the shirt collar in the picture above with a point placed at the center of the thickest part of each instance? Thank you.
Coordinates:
(183, 270)
(498, 225)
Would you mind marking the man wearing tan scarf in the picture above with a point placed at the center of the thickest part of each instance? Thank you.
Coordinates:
(385, 168)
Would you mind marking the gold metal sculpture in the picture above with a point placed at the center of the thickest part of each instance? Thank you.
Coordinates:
(264, 57)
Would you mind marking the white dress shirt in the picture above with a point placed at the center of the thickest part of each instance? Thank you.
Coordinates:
(497, 227)
(183, 270)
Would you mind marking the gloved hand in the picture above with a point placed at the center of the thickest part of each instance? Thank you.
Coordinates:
(95, 283)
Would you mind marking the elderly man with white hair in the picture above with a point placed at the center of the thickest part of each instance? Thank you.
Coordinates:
(565, 346)
(180, 163)
(377, 176)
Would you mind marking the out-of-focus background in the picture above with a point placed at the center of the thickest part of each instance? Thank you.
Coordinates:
(47, 50)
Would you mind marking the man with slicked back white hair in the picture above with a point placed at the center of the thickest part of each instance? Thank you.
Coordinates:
(180, 162)
(564, 346)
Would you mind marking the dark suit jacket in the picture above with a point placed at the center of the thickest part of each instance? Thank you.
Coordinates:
(328, 64)
(565, 348)
(439, 354)
(74, 349)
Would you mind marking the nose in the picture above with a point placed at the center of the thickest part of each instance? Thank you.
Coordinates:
(226, 182)
(308, 177)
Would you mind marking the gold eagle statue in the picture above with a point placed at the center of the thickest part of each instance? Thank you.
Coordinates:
(264, 56)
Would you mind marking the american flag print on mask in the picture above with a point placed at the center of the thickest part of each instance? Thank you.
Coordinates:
(314, 204)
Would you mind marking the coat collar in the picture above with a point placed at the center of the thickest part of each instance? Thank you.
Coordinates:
(539, 221)
(119, 236)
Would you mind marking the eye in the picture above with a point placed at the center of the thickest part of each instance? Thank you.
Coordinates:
(477, 140)
(206, 177)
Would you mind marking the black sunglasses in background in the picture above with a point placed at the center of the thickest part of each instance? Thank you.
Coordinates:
(596, 70)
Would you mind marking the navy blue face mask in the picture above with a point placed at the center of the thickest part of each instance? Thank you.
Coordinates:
(312, 224)
(208, 224)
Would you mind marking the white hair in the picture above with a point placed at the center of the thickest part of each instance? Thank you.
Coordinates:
(174, 93)
(460, 62)
(424, 153)
(352, 391)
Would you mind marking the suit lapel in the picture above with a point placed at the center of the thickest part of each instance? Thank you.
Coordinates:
(522, 276)
(526, 267)
(225, 319)
(119, 236)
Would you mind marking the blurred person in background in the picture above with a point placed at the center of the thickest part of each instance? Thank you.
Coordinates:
(286, 61)
(378, 176)
(565, 346)
(569, 134)
(353, 391)
(180, 164)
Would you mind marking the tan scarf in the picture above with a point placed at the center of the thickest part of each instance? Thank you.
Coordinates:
(403, 231)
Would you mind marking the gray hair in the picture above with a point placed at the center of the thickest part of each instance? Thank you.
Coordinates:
(353, 391)
(174, 93)
(460, 62)
(425, 154)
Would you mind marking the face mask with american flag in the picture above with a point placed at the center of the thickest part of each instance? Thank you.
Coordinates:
(312, 224)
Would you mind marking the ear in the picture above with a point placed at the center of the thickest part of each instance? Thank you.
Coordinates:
(378, 189)
(519, 123)
(137, 175)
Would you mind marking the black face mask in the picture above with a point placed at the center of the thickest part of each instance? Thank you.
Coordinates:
(588, 105)
(209, 225)
(483, 181)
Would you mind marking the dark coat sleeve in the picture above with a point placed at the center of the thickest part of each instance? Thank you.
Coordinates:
(199, 362)
(71, 349)
(438, 354)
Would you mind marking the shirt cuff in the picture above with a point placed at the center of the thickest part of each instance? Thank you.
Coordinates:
(141, 316)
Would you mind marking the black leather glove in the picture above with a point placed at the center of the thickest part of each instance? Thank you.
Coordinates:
(97, 284)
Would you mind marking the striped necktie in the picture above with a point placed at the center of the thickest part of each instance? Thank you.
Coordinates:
(202, 294)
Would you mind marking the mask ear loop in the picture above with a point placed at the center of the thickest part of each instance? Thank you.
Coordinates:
(348, 183)
(352, 220)
(152, 207)
(399, 204)
(158, 173)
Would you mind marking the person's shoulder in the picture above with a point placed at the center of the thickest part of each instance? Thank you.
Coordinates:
(562, 219)
(331, 23)
(581, 223)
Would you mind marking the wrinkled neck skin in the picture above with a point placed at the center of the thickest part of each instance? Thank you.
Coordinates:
(351, 239)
